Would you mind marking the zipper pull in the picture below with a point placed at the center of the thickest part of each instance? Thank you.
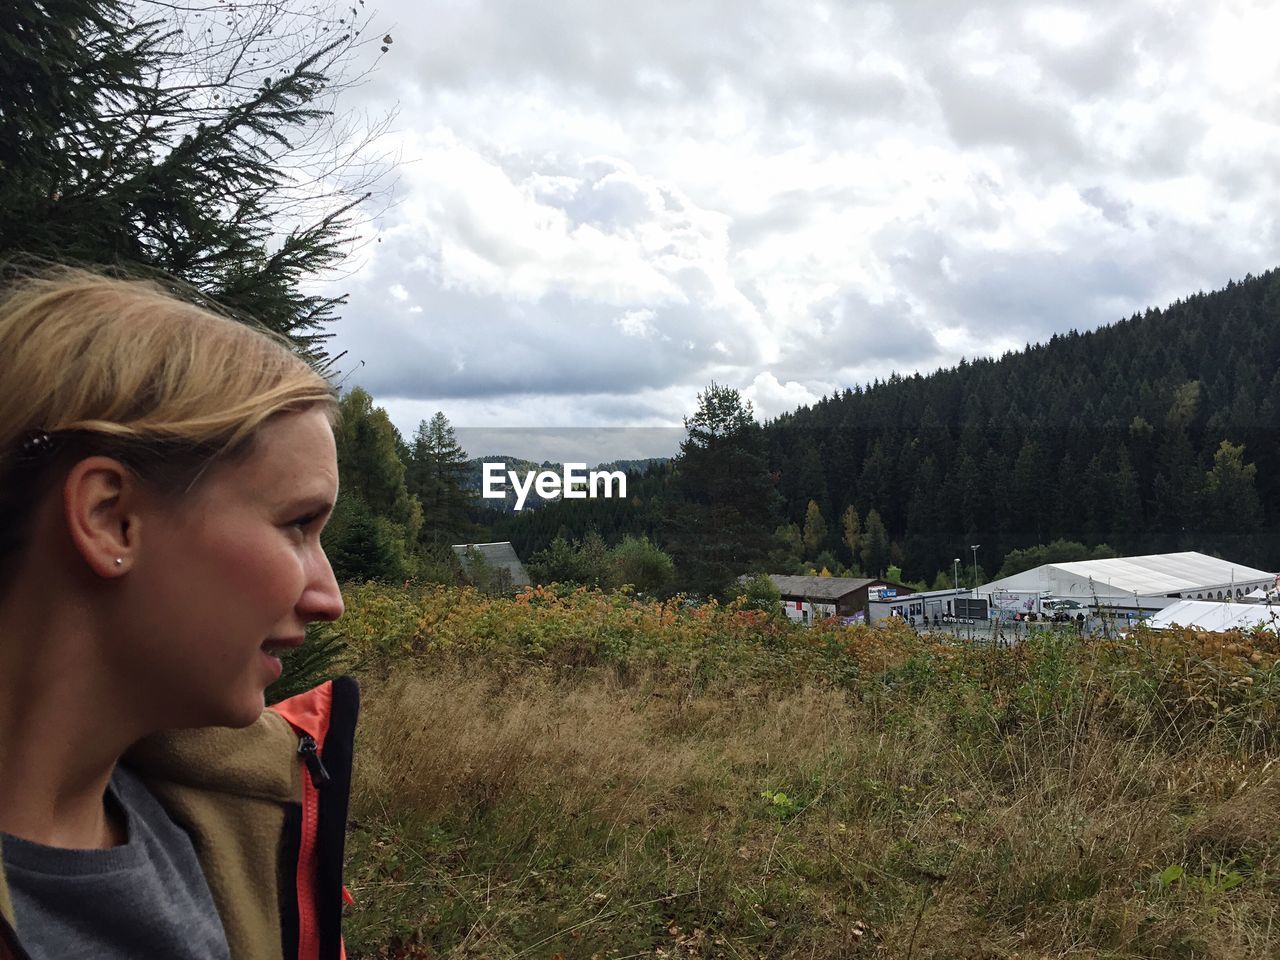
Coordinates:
(307, 750)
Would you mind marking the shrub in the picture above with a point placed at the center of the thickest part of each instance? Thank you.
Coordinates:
(760, 593)
(641, 564)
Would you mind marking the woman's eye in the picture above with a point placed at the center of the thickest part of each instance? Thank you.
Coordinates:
(303, 522)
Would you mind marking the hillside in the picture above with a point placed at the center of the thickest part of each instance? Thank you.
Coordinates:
(1113, 436)
(1107, 436)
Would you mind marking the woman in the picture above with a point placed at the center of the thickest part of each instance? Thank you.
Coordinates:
(165, 474)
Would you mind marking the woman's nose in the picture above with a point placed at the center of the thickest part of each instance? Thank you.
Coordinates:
(323, 599)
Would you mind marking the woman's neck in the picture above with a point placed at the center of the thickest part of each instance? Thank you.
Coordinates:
(60, 732)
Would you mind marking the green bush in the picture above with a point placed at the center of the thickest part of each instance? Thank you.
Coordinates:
(761, 593)
(643, 565)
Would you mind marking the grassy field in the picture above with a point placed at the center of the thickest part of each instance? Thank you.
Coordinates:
(577, 775)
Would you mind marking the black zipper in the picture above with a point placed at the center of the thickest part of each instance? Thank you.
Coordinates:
(307, 750)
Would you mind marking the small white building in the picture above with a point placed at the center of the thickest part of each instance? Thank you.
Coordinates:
(1135, 584)
(932, 606)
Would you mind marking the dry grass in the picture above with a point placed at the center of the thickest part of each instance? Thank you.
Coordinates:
(539, 815)
(578, 775)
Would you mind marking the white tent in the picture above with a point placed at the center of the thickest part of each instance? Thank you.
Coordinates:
(1150, 581)
(1216, 617)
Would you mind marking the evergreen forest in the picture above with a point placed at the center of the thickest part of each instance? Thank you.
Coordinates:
(1149, 435)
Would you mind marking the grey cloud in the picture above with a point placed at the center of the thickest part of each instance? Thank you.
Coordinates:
(625, 409)
(930, 18)
(796, 92)
(463, 345)
(863, 92)
(642, 73)
(1034, 292)
(1039, 292)
(1115, 209)
(647, 57)
(1244, 175)
(984, 111)
(646, 60)
(791, 211)
(1095, 68)
(858, 331)
(1166, 142)
(609, 205)
(447, 338)
(590, 47)
(858, 336)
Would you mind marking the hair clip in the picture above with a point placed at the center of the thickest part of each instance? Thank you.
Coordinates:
(37, 444)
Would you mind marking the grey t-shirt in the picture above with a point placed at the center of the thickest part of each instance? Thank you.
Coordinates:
(147, 898)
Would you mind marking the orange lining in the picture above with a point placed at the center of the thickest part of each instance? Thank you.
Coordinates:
(309, 714)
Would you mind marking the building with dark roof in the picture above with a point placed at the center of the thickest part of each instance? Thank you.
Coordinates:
(814, 598)
(499, 557)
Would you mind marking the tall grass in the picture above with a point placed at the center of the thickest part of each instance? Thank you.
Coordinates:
(581, 775)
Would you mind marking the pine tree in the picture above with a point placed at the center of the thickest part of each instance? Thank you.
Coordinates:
(876, 484)
(815, 529)
(875, 545)
(168, 147)
(723, 503)
(1230, 492)
(803, 481)
(1027, 493)
(1177, 482)
(373, 495)
(436, 473)
(851, 527)
(785, 550)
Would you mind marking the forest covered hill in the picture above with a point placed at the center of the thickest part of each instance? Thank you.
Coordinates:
(1112, 436)
(1152, 434)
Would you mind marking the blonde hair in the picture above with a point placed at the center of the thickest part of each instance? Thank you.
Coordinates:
(126, 368)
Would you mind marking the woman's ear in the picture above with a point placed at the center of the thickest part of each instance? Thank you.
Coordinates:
(100, 502)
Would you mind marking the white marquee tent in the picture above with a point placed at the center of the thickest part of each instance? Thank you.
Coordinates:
(1216, 616)
(1125, 582)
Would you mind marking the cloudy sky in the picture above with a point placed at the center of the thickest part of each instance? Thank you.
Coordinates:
(603, 206)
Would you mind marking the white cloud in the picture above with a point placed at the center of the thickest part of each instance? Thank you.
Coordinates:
(637, 323)
(770, 398)
(604, 202)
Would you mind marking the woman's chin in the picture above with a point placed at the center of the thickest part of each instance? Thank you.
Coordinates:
(243, 713)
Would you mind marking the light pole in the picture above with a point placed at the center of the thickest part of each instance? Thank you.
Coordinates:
(974, 547)
(955, 576)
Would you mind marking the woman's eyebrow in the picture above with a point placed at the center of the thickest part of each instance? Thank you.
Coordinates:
(318, 504)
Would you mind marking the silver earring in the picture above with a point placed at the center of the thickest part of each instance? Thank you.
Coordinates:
(119, 562)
